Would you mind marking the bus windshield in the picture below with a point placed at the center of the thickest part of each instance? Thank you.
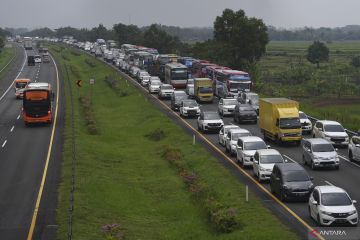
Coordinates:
(205, 90)
(179, 74)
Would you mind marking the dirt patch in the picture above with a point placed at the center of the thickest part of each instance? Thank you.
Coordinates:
(335, 101)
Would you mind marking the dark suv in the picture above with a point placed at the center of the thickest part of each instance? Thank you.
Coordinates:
(245, 113)
(176, 99)
(290, 181)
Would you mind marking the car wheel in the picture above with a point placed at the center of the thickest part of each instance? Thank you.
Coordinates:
(312, 165)
(351, 158)
(258, 177)
(318, 220)
(309, 211)
(303, 160)
(242, 163)
(271, 189)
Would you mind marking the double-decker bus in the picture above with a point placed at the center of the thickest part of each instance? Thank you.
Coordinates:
(228, 83)
(37, 103)
(198, 69)
(176, 74)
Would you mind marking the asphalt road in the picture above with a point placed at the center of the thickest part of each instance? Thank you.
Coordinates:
(347, 177)
(23, 154)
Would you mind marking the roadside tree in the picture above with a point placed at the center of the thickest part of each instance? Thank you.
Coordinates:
(241, 40)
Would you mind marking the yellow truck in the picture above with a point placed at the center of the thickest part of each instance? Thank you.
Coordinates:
(279, 120)
(203, 89)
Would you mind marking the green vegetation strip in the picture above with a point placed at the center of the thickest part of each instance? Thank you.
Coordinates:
(141, 177)
(6, 54)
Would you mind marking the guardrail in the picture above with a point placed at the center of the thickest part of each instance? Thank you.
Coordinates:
(349, 132)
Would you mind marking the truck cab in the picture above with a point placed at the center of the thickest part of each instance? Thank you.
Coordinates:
(203, 89)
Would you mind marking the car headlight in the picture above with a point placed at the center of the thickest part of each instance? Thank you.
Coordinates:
(281, 134)
(184, 110)
(352, 212)
(311, 186)
(286, 187)
(326, 213)
(263, 169)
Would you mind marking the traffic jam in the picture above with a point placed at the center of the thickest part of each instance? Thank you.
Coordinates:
(262, 135)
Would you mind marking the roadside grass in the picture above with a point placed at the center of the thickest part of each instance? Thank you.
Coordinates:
(122, 177)
(282, 54)
(5, 55)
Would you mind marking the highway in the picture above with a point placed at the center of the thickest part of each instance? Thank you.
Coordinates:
(294, 214)
(29, 159)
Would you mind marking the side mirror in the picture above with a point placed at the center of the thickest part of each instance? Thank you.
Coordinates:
(238, 147)
(336, 149)
(314, 202)
(268, 146)
(354, 201)
(308, 150)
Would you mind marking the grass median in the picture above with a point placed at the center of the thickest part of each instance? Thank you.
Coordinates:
(125, 180)
(6, 54)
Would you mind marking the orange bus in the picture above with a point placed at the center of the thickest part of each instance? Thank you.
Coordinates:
(37, 104)
(19, 86)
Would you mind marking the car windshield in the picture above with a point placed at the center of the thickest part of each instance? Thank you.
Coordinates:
(335, 199)
(303, 115)
(296, 176)
(230, 101)
(327, 147)
(333, 128)
(271, 159)
(155, 83)
(211, 116)
(167, 87)
(289, 123)
(205, 90)
(237, 135)
(254, 145)
(178, 94)
(190, 104)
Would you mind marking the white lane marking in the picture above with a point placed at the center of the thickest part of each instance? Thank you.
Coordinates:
(18, 117)
(12, 129)
(289, 158)
(344, 158)
(329, 183)
(4, 143)
(21, 69)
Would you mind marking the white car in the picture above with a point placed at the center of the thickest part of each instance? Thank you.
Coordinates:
(331, 131)
(209, 121)
(231, 139)
(306, 124)
(318, 152)
(246, 148)
(332, 205)
(189, 108)
(354, 148)
(133, 71)
(190, 87)
(264, 161)
(145, 80)
(140, 74)
(165, 91)
(154, 86)
(223, 133)
(226, 106)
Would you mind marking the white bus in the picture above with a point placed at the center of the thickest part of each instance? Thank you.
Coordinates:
(176, 74)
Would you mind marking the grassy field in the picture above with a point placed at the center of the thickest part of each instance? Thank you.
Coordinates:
(5, 55)
(122, 177)
(287, 60)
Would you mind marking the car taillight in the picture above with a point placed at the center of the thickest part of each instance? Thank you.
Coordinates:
(49, 112)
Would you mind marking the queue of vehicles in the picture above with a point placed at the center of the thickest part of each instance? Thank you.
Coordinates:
(279, 119)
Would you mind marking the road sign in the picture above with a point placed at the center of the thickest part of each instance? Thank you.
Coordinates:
(79, 83)
(92, 81)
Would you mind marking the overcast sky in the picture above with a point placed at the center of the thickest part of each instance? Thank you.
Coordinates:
(184, 13)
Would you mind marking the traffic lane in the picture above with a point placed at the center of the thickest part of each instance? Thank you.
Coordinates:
(20, 174)
(320, 177)
(23, 169)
